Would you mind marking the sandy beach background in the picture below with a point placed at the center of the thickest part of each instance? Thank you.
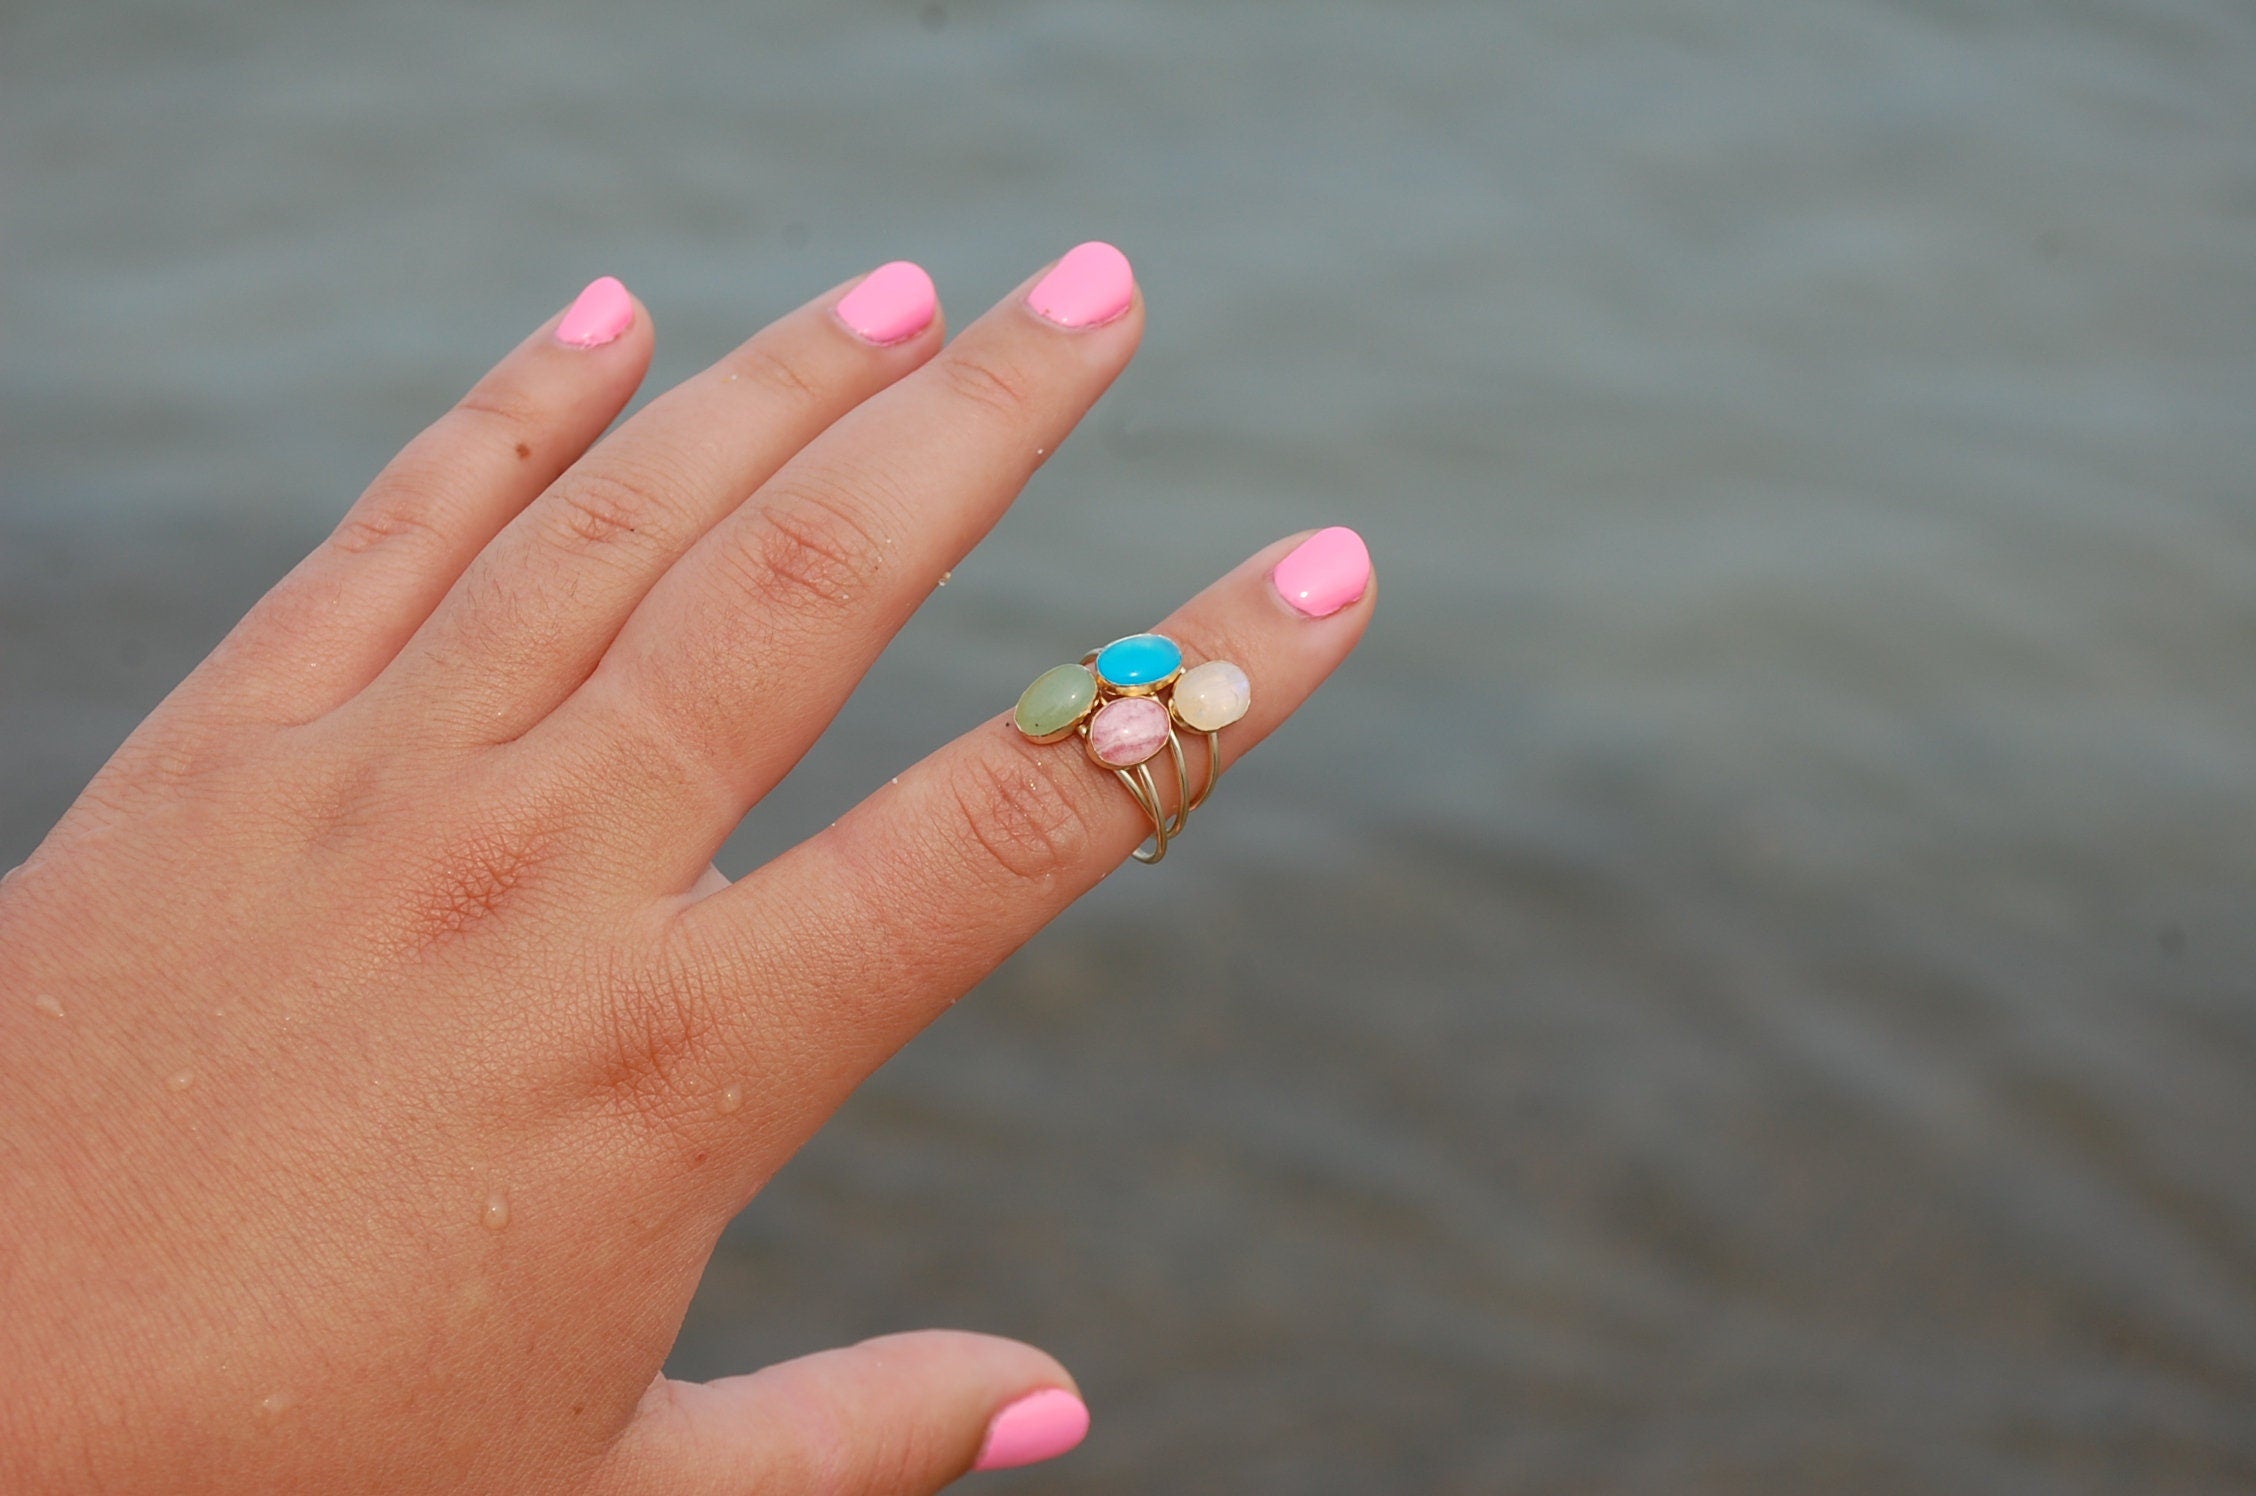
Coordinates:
(1746, 983)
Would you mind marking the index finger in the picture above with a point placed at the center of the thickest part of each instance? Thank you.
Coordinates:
(838, 952)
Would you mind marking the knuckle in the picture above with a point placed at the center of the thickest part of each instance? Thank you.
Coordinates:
(471, 878)
(379, 521)
(808, 546)
(989, 382)
(498, 407)
(653, 1032)
(1031, 823)
(605, 511)
(773, 370)
(339, 807)
(661, 1027)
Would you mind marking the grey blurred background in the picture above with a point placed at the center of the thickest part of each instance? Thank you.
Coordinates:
(1746, 982)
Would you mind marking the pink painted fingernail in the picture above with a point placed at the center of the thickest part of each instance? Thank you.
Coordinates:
(1092, 284)
(1039, 1426)
(601, 313)
(893, 303)
(1325, 572)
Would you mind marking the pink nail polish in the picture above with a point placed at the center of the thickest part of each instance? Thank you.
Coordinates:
(1325, 572)
(599, 314)
(893, 303)
(1091, 285)
(1039, 1426)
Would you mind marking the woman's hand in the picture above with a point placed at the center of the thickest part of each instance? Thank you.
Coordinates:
(380, 1058)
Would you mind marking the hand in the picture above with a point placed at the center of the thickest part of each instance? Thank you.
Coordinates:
(380, 1057)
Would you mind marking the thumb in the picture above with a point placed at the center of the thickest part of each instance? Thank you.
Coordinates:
(895, 1416)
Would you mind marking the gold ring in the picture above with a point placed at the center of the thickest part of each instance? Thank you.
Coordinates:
(1125, 702)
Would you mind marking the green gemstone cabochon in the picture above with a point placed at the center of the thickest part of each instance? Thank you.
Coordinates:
(1059, 698)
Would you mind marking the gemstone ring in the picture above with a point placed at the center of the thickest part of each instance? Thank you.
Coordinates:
(1124, 702)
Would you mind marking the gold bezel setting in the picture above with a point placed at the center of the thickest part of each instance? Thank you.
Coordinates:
(1137, 778)
(1135, 688)
(1080, 718)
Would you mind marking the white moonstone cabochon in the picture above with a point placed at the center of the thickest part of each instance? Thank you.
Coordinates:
(1212, 696)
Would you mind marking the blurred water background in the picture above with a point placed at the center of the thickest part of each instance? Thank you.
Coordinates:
(1746, 982)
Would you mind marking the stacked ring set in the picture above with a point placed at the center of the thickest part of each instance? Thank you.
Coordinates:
(1125, 702)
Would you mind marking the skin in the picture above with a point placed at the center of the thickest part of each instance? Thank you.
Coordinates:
(395, 925)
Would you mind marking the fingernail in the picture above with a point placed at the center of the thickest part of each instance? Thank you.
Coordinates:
(1091, 285)
(601, 313)
(1325, 572)
(1039, 1426)
(894, 302)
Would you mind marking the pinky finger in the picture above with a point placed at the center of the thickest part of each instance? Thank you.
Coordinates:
(333, 623)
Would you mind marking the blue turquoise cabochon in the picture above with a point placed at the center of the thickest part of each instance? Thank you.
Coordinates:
(1139, 660)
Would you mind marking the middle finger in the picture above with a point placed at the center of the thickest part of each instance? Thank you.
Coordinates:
(740, 657)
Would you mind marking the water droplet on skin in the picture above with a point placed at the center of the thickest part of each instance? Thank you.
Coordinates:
(731, 1099)
(496, 1213)
(180, 1080)
(275, 1404)
(944, 577)
(48, 1003)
